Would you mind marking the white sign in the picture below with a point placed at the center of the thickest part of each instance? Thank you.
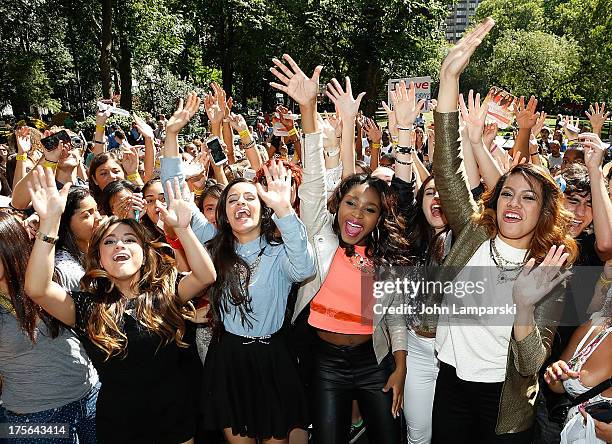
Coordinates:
(422, 86)
(279, 95)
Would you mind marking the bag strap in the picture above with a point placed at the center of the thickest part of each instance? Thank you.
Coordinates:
(592, 392)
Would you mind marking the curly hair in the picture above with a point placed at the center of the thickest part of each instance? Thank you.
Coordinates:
(388, 246)
(554, 221)
(158, 309)
(228, 291)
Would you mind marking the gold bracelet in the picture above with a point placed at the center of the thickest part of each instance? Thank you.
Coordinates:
(49, 164)
(244, 133)
(21, 157)
(134, 177)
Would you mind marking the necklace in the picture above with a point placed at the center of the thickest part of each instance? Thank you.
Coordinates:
(242, 270)
(362, 263)
(508, 270)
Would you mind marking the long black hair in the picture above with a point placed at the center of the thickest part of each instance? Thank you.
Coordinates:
(110, 190)
(386, 245)
(422, 237)
(228, 290)
(66, 240)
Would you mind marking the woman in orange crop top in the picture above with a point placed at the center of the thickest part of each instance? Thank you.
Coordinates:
(360, 353)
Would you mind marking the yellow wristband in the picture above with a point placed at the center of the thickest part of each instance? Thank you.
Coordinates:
(292, 132)
(244, 133)
(376, 146)
(134, 177)
(100, 128)
(21, 157)
(49, 164)
(197, 192)
(157, 163)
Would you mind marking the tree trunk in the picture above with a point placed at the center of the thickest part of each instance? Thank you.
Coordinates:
(106, 48)
(125, 72)
(369, 79)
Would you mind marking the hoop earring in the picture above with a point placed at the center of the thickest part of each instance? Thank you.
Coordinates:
(376, 234)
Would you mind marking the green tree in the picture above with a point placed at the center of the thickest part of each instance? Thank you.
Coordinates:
(535, 62)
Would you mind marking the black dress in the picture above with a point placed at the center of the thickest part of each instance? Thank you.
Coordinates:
(145, 396)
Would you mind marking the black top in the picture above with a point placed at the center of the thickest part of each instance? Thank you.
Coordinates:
(144, 392)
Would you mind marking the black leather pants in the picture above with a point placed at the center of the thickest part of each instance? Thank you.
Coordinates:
(344, 373)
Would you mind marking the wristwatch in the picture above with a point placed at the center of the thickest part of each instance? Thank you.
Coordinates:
(43, 237)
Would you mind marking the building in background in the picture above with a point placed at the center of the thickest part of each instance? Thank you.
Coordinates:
(458, 18)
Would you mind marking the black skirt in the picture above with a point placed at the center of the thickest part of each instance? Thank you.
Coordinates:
(252, 386)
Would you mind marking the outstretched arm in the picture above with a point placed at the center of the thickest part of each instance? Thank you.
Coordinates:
(49, 203)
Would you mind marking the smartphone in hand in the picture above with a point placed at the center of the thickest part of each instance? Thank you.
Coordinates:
(216, 151)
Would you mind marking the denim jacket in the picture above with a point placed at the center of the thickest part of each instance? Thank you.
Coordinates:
(390, 331)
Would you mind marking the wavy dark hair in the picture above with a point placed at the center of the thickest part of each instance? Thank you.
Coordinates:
(228, 291)
(99, 160)
(66, 240)
(158, 309)
(421, 236)
(155, 232)
(389, 246)
(15, 248)
(554, 221)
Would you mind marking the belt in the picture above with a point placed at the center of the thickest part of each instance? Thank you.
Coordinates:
(340, 315)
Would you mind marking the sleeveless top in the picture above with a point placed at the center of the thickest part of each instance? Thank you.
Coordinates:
(575, 387)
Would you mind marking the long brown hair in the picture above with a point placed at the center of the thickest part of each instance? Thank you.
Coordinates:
(158, 308)
(554, 221)
(99, 160)
(15, 248)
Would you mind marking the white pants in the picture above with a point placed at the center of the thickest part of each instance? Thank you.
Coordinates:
(422, 370)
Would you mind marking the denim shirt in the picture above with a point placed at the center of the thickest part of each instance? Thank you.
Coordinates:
(279, 265)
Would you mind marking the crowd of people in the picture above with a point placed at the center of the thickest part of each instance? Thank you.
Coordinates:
(154, 290)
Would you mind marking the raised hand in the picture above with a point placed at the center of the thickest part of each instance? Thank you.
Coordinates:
(473, 116)
(213, 109)
(278, 193)
(533, 283)
(130, 160)
(372, 131)
(220, 97)
(526, 116)
(346, 105)
(143, 127)
(597, 117)
(336, 122)
(24, 142)
(405, 105)
(392, 120)
(237, 122)
(489, 133)
(459, 56)
(183, 114)
(128, 206)
(48, 202)
(559, 371)
(295, 83)
(594, 150)
(570, 133)
(541, 120)
(287, 122)
(178, 213)
(102, 117)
